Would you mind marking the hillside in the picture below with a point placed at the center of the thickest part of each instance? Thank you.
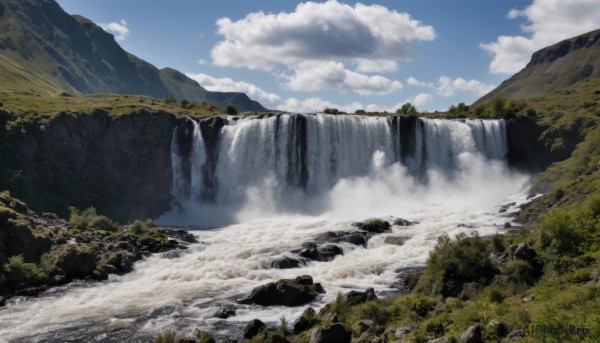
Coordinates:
(47, 51)
(553, 68)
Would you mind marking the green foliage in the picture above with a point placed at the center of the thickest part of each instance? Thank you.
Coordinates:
(185, 104)
(282, 325)
(231, 110)
(89, 219)
(498, 107)
(22, 272)
(407, 109)
(166, 337)
(206, 337)
(453, 263)
(169, 100)
(359, 112)
(138, 227)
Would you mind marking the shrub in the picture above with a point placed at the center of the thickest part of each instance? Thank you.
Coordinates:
(453, 263)
(557, 232)
(89, 219)
(185, 104)
(138, 227)
(407, 109)
(19, 271)
(169, 100)
(103, 223)
(206, 337)
(231, 110)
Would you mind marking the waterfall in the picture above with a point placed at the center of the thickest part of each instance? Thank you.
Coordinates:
(309, 154)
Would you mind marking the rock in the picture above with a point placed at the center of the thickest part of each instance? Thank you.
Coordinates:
(404, 330)
(76, 262)
(225, 312)
(524, 252)
(286, 262)
(98, 275)
(31, 291)
(439, 340)
(595, 275)
(395, 240)
(529, 298)
(284, 292)
(366, 337)
(376, 226)
(2, 301)
(335, 333)
(172, 254)
(60, 279)
(402, 222)
(472, 335)
(253, 328)
(355, 297)
(352, 237)
(365, 325)
(322, 254)
(305, 321)
(507, 225)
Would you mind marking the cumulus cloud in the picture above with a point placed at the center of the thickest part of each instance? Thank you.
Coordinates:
(118, 29)
(330, 35)
(446, 86)
(421, 99)
(202, 61)
(228, 85)
(322, 76)
(548, 22)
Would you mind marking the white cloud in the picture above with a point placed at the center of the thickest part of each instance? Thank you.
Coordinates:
(548, 22)
(322, 76)
(447, 87)
(118, 29)
(228, 85)
(331, 35)
(421, 99)
(202, 61)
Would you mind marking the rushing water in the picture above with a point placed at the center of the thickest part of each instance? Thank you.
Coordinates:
(278, 182)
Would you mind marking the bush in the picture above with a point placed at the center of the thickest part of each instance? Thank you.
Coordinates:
(89, 219)
(169, 100)
(103, 223)
(19, 271)
(407, 109)
(453, 263)
(231, 110)
(138, 227)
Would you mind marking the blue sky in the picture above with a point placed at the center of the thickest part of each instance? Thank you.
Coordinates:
(305, 56)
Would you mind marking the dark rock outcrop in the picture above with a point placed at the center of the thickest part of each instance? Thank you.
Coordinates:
(473, 334)
(286, 262)
(356, 297)
(253, 328)
(225, 312)
(306, 321)
(286, 292)
(335, 333)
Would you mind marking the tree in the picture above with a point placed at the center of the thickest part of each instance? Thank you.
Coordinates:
(461, 108)
(407, 109)
(498, 106)
(185, 103)
(169, 100)
(231, 110)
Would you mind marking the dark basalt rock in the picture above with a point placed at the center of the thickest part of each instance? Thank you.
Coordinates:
(286, 262)
(322, 254)
(395, 240)
(335, 333)
(306, 321)
(473, 334)
(225, 312)
(286, 292)
(403, 222)
(525, 252)
(356, 297)
(374, 226)
(253, 328)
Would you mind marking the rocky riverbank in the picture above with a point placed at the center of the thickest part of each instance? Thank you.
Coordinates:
(41, 251)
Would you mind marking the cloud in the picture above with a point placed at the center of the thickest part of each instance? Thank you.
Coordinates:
(446, 87)
(548, 22)
(118, 29)
(421, 99)
(228, 85)
(322, 76)
(202, 61)
(330, 35)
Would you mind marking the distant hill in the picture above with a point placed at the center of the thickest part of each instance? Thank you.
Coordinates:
(553, 68)
(45, 50)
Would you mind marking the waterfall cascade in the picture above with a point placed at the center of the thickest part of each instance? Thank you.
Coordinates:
(310, 153)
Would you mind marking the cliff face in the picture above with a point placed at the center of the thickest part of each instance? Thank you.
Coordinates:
(120, 165)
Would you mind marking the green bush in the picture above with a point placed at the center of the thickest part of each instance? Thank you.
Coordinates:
(231, 110)
(453, 263)
(19, 271)
(89, 219)
(169, 100)
(138, 227)
(103, 223)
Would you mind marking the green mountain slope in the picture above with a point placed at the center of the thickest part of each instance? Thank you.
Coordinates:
(45, 50)
(553, 68)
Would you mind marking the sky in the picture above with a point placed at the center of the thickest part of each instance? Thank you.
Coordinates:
(306, 56)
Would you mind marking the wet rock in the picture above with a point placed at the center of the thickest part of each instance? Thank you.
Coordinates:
(352, 237)
(286, 262)
(322, 254)
(529, 298)
(225, 312)
(525, 252)
(2, 301)
(365, 325)
(98, 275)
(306, 321)
(356, 297)
(403, 222)
(31, 291)
(253, 328)
(172, 254)
(396, 240)
(375, 226)
(472, 335)
(76, 262)
(439, 340)
(284, 292)
(335, 333)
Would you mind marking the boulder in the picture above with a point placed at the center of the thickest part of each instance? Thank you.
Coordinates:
(3, 302)
(472, 335)
(284, 292)
(404, 330)
(322, 254)
(402, 222)
(356, 297)
(374, 226)
(439, 340)
(74, 261)
(286, 262)
(253, 328)
(353, 237)
(306, 321)
(395, 240)
(335, 333)
(525, 252)
(225, 312)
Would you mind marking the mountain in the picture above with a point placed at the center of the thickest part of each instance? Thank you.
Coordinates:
(553, 68)
(45, 50)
